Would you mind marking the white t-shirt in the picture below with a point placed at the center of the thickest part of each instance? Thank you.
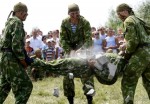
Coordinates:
(35, 43)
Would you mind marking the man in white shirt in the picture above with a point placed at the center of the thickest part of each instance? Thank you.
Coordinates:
(35, 42)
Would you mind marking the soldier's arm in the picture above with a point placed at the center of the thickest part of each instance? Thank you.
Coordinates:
(18, 40)
(88, 34)
(63, 38)
(131, 37)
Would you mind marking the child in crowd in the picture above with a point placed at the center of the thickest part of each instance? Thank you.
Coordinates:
(35, 73)
(28, 49)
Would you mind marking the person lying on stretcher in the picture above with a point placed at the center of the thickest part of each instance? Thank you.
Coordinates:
(105, 66)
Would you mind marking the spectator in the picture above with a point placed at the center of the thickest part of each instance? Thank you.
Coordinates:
(39, 34)
(110, 42)
(44, 38)
(97, 44)
(48, 51)
(35, 42)
(120, 36)
(36, 73)
(50, 35)
(28, 49)
(27, 36)
(102, 32)
(56, 48)
(93, 29)
(57, 32)
(55, 38)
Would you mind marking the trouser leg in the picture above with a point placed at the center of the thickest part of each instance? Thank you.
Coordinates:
(128, 86)
(69, 89)
(70, 99)
(146, 80)
(21, 84)
(132, 73)
(88, 83)
(4, 89)
(89, 99)
(22, 90)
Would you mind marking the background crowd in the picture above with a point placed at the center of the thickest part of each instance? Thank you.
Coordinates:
(47, 47)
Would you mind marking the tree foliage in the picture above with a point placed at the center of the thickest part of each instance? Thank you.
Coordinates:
(143, 11)
(113, 20)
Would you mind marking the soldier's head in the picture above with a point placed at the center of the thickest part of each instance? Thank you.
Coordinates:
(20, 10)
(124, 10)
(20, 7)
(73, 10)
(38, 53)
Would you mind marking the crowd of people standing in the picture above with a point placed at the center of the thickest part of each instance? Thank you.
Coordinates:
(103, 40)
(55, 45)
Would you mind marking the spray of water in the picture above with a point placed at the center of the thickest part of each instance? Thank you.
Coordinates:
(82, 53)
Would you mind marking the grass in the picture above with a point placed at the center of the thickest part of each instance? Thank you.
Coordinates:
(43, 93)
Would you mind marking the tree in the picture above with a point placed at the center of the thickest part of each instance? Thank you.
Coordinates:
(113, 21)
(144, 11)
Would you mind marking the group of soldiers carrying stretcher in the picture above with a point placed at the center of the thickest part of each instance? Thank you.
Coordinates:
(105, 66)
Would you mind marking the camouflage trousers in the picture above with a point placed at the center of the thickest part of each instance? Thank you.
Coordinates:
(13, 76)
(138, 66)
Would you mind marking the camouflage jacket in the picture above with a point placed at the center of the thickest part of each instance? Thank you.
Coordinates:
(135, 34)
(14, 38)
(73, 41)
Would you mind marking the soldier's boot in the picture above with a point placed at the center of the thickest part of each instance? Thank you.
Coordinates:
(70, 99)
(89, 99)
(129, 102)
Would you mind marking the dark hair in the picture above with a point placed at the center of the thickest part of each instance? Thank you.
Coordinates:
(43, 37)
(96, 33)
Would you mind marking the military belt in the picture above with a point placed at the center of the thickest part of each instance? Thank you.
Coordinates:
(6, 49)
(144, 45)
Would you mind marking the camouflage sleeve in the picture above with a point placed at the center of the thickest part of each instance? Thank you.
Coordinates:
(17, 40)
(131, 37)
(88, 34)
(63, 38)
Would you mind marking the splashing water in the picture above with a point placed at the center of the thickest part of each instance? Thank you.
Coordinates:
(84, 54)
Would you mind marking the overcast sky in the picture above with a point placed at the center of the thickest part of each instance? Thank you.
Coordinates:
(48, 14)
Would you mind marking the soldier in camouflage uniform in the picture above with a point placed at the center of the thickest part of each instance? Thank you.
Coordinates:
(75, 33)
(84, 68)
(137, 52)
(13, 75)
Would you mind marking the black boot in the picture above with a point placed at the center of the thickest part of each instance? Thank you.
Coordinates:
(70, 99)
(89, 99)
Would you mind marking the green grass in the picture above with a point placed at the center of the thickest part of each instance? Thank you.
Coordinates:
(43, 93)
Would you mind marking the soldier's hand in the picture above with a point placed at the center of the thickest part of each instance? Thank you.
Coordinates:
(123, 47)
(121, 53)
(127, 56)
(25, 65)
